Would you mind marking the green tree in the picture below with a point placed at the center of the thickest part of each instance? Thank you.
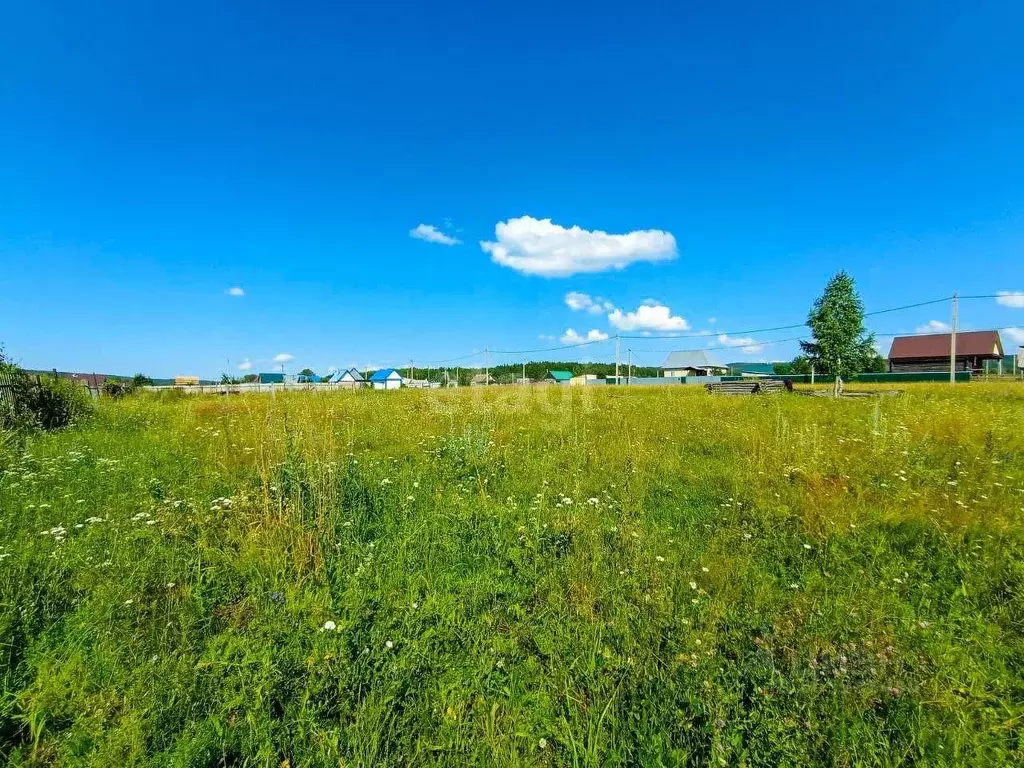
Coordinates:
(840, 347)
(306, 372)
(141, 380)
(801, 364)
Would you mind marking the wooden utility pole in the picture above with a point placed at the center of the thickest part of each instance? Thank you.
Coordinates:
(487, 368)
(952, 343)
(523, 382)
(629, 371)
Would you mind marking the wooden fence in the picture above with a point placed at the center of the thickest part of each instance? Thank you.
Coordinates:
(6, 392)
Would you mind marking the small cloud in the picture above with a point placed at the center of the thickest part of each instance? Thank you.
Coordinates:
(284, 357)
(1013, 299)
(571, 337)
(545, 337)
(745, 343)
(576, 301)
(712, 320)
(932, 326)
(541, 247)
(245, 365)
(648, 316)
(235, 290)
(432, 234)
(1014, 334)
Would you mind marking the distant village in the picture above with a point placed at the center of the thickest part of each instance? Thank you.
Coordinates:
(911, 358)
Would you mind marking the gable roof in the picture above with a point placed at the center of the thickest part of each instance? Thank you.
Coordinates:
(560, 375)
(968, 344)
(481, 377)
(384, 374)
(697, 359)
(352, 373)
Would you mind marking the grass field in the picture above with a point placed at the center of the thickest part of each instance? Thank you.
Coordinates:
(578, 577)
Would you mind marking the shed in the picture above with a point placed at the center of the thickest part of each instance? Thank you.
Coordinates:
(692, 363)
(481, 380)
(583, 380)
(930, 352)
(558, 377)
(386, 378)
(186, 381)
(270, 378)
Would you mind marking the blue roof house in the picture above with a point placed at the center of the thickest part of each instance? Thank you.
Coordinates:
(386, 378)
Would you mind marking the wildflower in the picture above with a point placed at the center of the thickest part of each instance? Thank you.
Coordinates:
(693, 585)
(704, 569)
(807, 546)
(170, 585)
(415, 606)
(660, 559)
(388, 644)
(543, 743)
(329, 626)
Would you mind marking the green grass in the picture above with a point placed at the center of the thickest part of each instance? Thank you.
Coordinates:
(578, 577)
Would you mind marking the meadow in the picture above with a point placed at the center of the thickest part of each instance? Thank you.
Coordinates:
(557, 577)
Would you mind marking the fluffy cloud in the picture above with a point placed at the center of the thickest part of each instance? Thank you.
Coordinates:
(745, 343)
(245, 365)
(1013, 299)
(1016, 335)
(235, 291)
(932, 326)
(545, 337)
(432, 234)
(577, 301)
(540, 247)
(571, 337)
(284, 357)
(649, 316)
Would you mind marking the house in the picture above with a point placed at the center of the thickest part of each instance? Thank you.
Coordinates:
(417, 383)
(270, 378)
(351, 378)
(931, 352)
(481, 380)
(583, 380)
(386, 378)
(310, 378)
(558, 377)
(697, 363)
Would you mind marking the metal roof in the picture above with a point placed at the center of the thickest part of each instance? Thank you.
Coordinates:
(968, 344)
(383, 374)
(355, 374)
(560, 375)
(271, 378)
(698, 359)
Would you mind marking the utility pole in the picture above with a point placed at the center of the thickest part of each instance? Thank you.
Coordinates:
(487, 368)
(629, 374)
(412, 371)
(952, 343)
(617, 382)
(523, 382)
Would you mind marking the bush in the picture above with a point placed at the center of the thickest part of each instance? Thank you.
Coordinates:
(116, 388)
(46, 402)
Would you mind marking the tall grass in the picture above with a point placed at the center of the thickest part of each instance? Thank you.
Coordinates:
(583, 577)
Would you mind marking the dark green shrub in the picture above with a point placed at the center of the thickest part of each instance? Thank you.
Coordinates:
(40, 402)
(118, 388)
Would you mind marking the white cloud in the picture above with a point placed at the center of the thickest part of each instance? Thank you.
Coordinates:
(432, 234)
(648, 316)
(540, 247)
(571, 337)
(1013, 299)
(235, 291)
(712, 320)
(745, 343)
(932, 326)
(284, 357)
(576, 301)
(245, 365)
(545, 337)
(1016, 335)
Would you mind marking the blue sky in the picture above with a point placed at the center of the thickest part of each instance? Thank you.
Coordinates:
(153, 156)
